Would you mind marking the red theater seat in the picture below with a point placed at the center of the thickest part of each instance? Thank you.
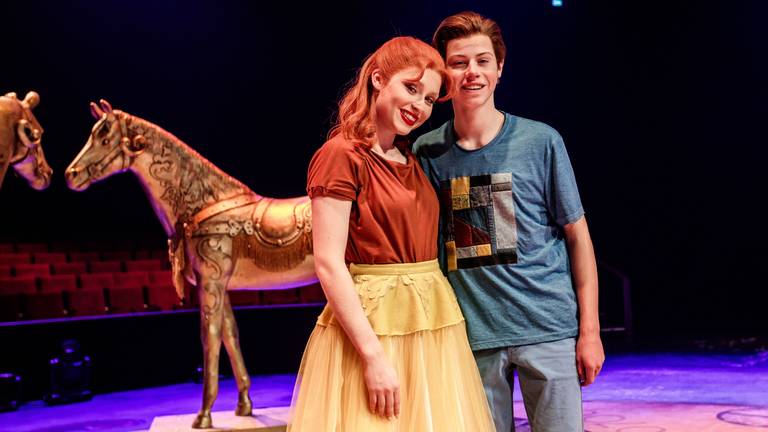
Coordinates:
(106, 266)
(37, 270)
(15, 258)
(143, 265)
(162, 295)
(135, 279)
(6, 270)
(44, 305)
(58, 283)
(83, 302)
(74, 268)
(97, 281)
(18, 285)
(161, 276)
(126, 300)
(6, 248)
(49, 257)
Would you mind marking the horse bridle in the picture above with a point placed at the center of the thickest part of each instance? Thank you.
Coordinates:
(26, 130)
(128, 148)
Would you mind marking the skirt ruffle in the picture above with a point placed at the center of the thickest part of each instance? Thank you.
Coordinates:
(440, 387)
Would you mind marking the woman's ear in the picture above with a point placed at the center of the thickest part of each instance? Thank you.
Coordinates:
(377, 80)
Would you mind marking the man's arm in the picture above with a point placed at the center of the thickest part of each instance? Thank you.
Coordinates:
(589, 347)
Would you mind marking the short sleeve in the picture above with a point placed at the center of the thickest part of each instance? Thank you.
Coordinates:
(333, 171)
(562, 194)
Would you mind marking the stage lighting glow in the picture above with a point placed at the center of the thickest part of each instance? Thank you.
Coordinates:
(70, 375)
(10, 391)
(557, 3)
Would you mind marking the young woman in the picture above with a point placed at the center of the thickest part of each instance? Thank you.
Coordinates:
(390, 351)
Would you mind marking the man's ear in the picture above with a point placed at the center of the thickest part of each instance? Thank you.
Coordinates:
(377, 80)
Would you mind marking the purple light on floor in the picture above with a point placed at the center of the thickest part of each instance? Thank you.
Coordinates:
(134, 410)
(633, 384)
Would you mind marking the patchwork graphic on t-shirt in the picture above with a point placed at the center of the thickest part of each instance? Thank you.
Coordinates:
(479, 226)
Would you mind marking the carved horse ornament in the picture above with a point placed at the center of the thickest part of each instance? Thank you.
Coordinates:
(222, 236)
(20, 136)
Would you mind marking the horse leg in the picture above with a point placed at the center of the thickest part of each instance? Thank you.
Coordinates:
(214, 266)
(231, 337)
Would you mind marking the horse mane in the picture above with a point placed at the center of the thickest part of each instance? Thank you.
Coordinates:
(184, 181)
(163, 135)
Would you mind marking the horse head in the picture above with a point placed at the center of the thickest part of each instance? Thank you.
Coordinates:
(110, 149)
(20, 136)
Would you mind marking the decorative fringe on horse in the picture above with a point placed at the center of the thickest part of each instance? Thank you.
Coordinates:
(272, 258)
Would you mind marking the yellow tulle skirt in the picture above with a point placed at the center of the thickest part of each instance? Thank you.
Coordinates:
(413, 310)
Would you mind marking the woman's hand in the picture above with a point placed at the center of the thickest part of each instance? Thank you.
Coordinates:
(330, 225)
(383, 387)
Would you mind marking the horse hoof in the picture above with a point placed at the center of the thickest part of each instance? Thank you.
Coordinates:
(202, 421)
(244, 406)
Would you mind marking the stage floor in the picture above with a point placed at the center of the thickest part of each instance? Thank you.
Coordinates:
(636, 392)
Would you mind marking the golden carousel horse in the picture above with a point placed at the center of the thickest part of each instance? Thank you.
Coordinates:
(20, 136)
(222, 236)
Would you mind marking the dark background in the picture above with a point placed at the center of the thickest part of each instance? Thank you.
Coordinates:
(661, 105)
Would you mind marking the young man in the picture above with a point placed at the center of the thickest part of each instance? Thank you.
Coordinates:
(514, 239)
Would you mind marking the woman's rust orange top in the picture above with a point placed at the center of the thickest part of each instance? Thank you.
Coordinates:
(395, 210)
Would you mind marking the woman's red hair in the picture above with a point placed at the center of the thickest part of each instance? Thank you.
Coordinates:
(355, 118)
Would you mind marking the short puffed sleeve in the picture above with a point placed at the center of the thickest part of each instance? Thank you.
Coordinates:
(333, 171)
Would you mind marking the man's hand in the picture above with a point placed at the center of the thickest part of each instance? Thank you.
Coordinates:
(589, 358)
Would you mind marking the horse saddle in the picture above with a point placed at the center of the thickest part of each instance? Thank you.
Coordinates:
(278, 222)
(274, 222)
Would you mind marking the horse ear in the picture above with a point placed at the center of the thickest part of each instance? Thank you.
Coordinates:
(32, 99)
(105, 106)
(96, 112)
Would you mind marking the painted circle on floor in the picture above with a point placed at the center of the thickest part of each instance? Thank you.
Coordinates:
(746, 417)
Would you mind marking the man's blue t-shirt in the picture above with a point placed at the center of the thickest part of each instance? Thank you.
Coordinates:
(501, 238)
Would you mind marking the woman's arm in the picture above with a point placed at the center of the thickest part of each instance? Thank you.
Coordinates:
(330, 226)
